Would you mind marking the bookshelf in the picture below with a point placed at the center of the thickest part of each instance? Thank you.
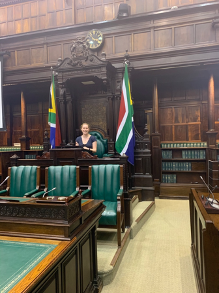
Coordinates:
(182, 164)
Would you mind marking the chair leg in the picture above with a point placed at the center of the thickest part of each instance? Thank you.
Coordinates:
(119, 230)
(123, 224)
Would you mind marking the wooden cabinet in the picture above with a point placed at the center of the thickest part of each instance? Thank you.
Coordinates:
(204, 244)
(181, 168)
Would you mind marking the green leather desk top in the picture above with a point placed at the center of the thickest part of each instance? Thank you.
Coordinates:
(17, 259)
(21, 199)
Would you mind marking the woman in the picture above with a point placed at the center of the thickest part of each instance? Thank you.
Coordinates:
(87, 141)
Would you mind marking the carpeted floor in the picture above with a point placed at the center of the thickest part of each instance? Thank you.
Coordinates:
(158, 259)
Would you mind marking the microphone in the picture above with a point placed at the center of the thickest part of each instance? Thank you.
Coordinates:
(49, 191)
(4, 180)
(214, 203)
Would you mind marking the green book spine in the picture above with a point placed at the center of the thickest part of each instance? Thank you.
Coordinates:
(177, 166)
(187, 166)
(190, 166)
(169, 178)
(196, 154)
(186, 154)
(174, 166)
(183, 154)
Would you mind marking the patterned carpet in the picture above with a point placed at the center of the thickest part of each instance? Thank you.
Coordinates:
(158, 259)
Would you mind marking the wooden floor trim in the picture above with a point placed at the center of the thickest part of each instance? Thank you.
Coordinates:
(145, 212)
(119, 250)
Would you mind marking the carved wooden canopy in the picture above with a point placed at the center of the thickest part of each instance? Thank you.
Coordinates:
(83, 63)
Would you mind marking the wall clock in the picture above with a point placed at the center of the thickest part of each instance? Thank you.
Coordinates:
(95, 39)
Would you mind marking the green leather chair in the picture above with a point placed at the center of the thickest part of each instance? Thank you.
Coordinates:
(23, 181)
(64, 178)
(102, 144)
(106, 183)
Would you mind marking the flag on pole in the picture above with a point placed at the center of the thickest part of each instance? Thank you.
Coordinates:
(52, 113)
(125, 140)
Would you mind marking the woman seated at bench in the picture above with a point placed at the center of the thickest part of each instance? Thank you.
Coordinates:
(87, 141)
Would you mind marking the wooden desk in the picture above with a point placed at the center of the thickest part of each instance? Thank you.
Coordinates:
(205, 244)
(55, 266)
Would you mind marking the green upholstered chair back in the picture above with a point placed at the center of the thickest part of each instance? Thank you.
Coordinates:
(63, 178)
(102, 144)
(22, 179)
(105, 182)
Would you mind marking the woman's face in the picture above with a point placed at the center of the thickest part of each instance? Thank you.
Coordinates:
(85, 128)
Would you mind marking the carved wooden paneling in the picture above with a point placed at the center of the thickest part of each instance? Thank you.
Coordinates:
(54, 52)
(184, 120)
(107, 46)
(37, 55)
(43, 14)
(183, 35)
(164, 94)
(166, 133)
(193, 113)
(193, 93)
(36, 15)
(166, 115)
(66, 50)
(204, 122)
(23, 57)
(179, 93)
(9, 61)
(180, 133)
(163, 38)
(180, 115)
(194, 132)
(204, 33)
(142, 41)
(94, 112)
(122, 43)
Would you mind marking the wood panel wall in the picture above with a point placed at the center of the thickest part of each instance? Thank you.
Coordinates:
(166, 35)
(37, 122)
(44, 14)
(183, 112)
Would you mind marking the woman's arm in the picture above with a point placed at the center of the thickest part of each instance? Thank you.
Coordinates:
(93, 149)
(76, 143)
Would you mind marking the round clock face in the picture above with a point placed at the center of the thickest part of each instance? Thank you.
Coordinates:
(95, 39)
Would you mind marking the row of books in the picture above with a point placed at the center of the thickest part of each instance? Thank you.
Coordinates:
(184, 145)
(18, 148)
(166, 154)
(169, 178)
(30, 156)
(190, 154)
(176, 166)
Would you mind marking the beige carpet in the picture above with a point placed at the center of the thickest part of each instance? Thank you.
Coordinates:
(158, 259)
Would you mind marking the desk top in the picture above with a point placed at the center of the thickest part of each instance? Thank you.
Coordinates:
(19, 257)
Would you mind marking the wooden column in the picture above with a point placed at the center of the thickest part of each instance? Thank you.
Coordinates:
(70, 118)
(211, 120)
(211, 133)
(155, 143)
(155, 109)
(111, 140)
(62, 114)
(24, 140)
